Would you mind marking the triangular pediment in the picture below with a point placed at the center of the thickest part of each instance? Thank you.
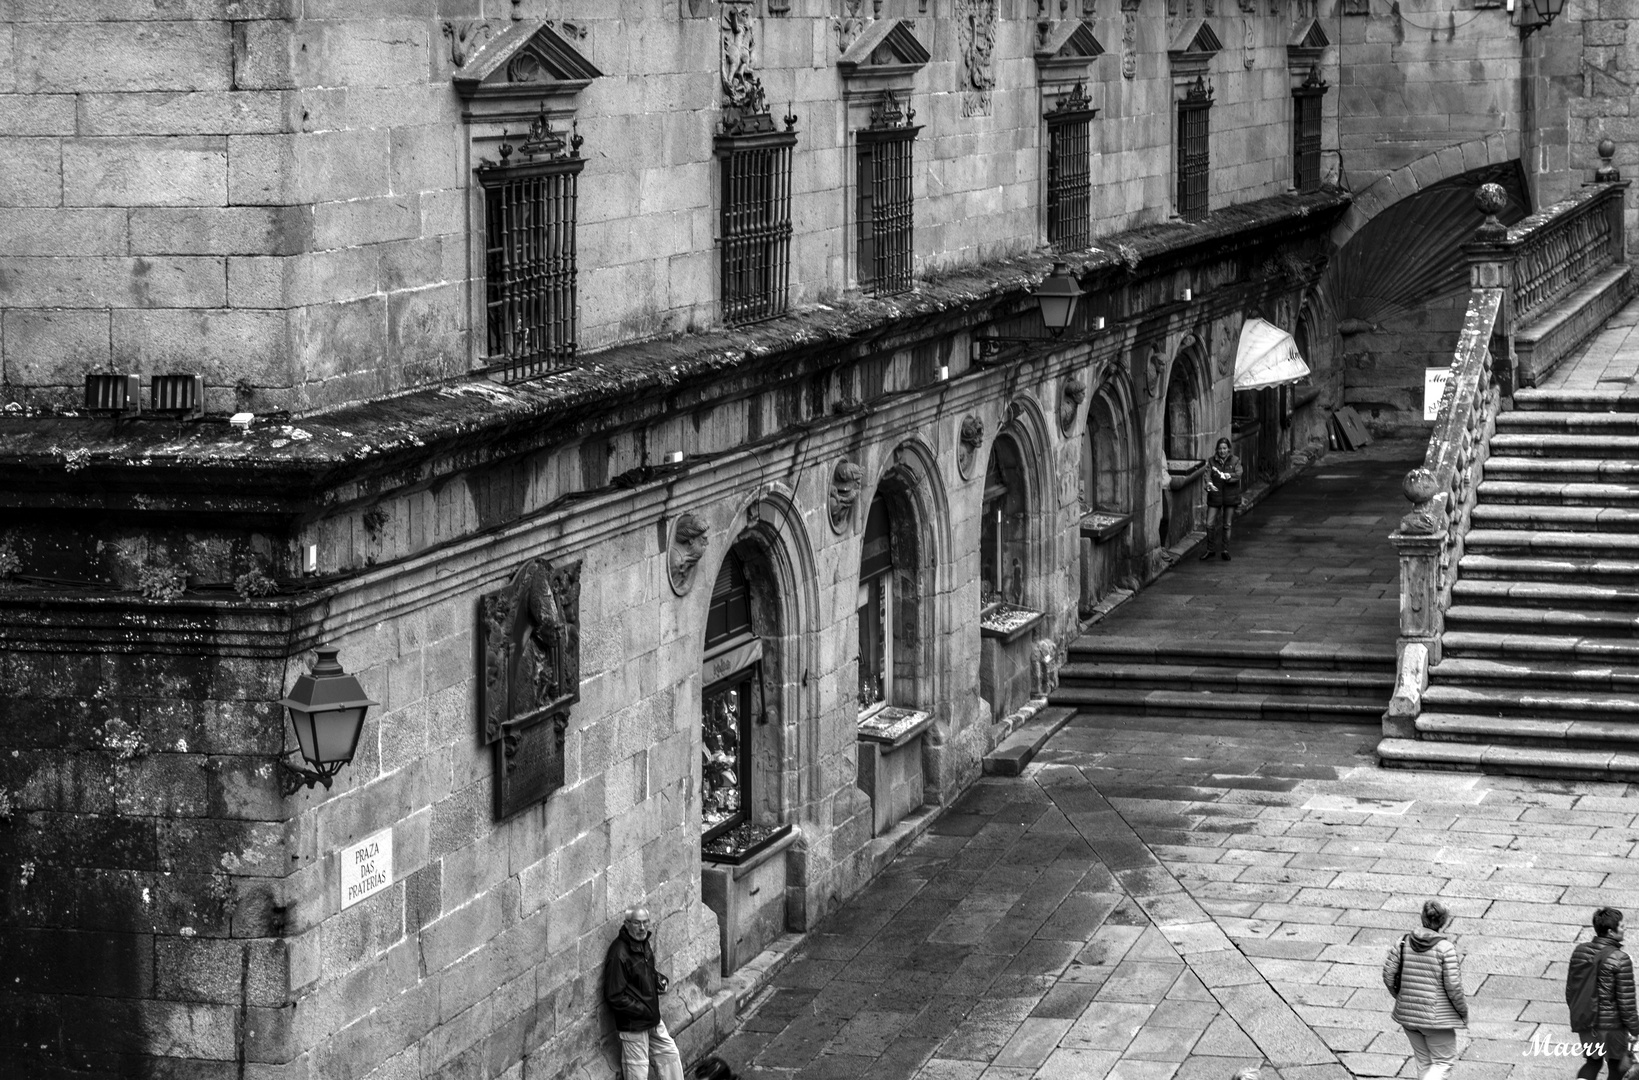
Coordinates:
(1195, 39)
(887, 45)
(1309, 36)
(1069, 40)
(528, 59)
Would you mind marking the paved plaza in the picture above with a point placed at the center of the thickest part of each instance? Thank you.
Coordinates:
(1172, 898)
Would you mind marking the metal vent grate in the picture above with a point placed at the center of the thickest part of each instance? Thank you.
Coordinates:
(113, 393)
(177, 394)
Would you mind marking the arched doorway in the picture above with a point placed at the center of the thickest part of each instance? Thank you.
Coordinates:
(1107, 484)
(1181, 436)
(1010, 565)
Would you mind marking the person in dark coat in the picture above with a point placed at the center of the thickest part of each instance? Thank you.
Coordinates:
(1425, 975)
(1599, 990)
(1223, 496)
(632, 989)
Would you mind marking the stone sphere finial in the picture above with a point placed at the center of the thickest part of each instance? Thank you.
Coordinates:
(1606, 172)
(1419, 485)
(1490, 199)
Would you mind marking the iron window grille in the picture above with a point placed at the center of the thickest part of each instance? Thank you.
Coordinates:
(755, 249)
(884, 216)
(1069, 171)
(728, 707)
(1306, 102)
(1194, 131)
(529, 253)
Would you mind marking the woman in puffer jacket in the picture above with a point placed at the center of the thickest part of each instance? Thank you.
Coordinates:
(1425, 975)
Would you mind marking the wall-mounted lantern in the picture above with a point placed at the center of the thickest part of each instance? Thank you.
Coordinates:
(327, 708)
(1056, 297)
(1533, 15)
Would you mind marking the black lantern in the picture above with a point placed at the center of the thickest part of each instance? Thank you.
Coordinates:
(1058, 296)
(1534, 15)
(327, 708)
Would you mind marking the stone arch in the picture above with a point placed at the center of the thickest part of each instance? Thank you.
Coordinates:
(1186, 403)
(1408, 179)
(912, 492)
(1111, 452)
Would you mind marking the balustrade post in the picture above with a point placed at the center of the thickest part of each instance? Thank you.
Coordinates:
(1420, 541)
(1491, 266)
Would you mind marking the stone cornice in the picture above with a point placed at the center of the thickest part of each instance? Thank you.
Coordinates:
(354, 452)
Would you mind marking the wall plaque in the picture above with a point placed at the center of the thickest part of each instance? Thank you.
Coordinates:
(366, 867)
(529, 641)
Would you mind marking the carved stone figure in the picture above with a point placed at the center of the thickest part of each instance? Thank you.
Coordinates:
(688, 546)
(1249, 45)
(741, 86)
(529, 638)
(1044, 668)
(846, 480)
(850, 22)
(972, 435)
(465, 38)
(1075, 392)
(976, 31)
(1129, 40)
(1155, 367)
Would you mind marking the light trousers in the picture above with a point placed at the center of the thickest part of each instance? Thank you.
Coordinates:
(640, 1048)
(1435, 1050)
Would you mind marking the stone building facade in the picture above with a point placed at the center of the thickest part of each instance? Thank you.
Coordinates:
(655, 413)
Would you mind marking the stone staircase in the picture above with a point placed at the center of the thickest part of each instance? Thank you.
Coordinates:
(1225, 679)
(1539, 672)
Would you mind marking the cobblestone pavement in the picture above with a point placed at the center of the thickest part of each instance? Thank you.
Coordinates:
(1161, 898)
(1171, 899)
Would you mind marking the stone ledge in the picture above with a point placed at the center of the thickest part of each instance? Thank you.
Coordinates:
(1016, 751)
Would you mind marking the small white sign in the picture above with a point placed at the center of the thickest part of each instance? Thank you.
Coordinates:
(1434, 388)
(366, 867)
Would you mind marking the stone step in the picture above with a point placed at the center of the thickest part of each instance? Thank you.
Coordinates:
(1563, 469)
(1534, 648)
(1375, 685)
(1556, 492)
(1527, 516)
(1536, 674)
(1218, 706)
(1112, 649)
(1548, 758)
(1563, 594)
(1527, 568)
(1016, 751)
(1553, 542)
(1533, 444)
(1613, 399)
(1531, 705)
(1567, 422)
(1517, 619)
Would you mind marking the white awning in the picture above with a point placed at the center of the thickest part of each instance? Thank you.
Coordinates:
(1267, 356)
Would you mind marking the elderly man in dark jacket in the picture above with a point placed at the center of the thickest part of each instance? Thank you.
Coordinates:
(1425, 975)
(632, 989)
(1599, 990)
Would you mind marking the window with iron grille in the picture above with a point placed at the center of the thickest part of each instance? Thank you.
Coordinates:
(884, 199)
(529, 254)
(1069, 171)
(1194, 129)
(1306, 101)
(755, 163)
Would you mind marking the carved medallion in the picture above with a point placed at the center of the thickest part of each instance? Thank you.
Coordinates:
(851, 21)
(846, 480)
(688, 544)
(976, 34)
(529, 638)
(1249, 45)
(465, 38)
(972, 436)
(1154, 368)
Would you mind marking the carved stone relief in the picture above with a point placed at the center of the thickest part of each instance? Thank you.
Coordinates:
(1129, 40)
(529, 638)
(742, 89)
(976, 32)
(1249, 44)
(683, 553)
(853, 16)
(846, 480)
(1075, 392)
(972, 434)
(465, 38)
(1154, 367)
